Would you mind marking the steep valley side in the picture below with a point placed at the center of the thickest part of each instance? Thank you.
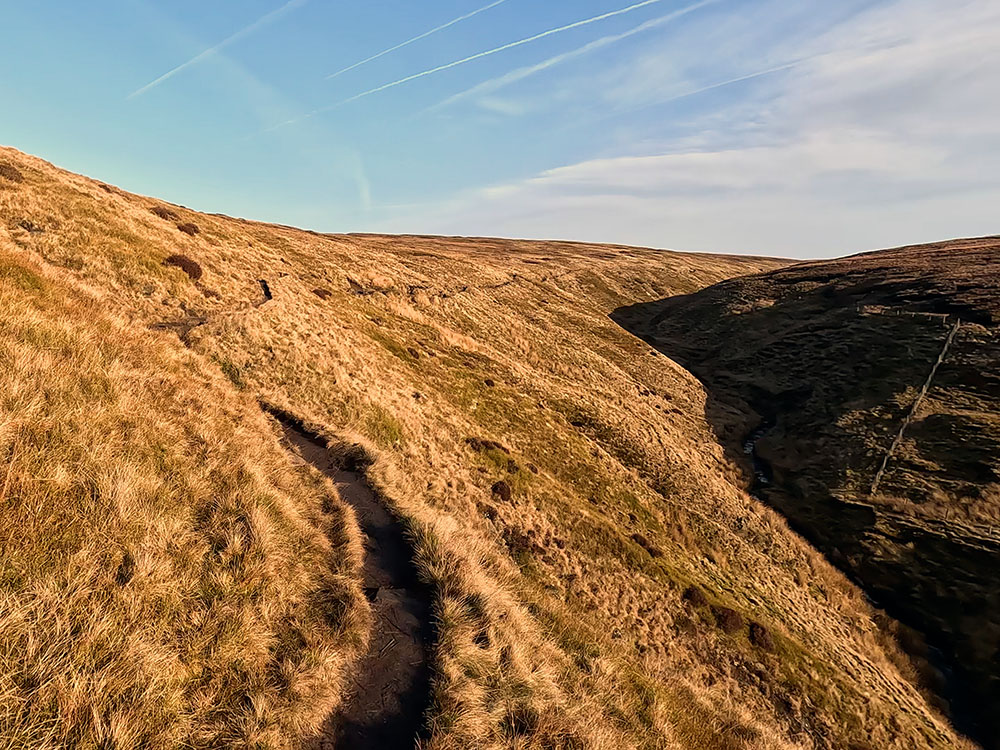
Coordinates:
(870, 388)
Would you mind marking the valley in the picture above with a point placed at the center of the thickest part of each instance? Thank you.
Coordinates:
(553, 435)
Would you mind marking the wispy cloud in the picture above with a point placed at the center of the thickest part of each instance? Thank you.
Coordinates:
(879, 130)
(520, 74)
(417, 38)
(246, 31)
(478, 56)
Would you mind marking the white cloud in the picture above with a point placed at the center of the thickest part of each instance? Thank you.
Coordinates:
(883, 132)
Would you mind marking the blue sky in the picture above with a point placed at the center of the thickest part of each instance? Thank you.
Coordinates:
(796, 127)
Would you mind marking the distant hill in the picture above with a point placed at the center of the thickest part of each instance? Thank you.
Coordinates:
(870, 388)
(596, 573)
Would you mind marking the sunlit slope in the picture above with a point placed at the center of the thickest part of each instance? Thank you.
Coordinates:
(165, 578)
(601, 577)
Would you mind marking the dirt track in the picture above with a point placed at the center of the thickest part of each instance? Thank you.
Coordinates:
(384, 704)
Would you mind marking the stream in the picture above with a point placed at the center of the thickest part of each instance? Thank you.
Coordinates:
(763, 476)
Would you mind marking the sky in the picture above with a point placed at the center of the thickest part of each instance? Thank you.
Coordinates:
(800, 128)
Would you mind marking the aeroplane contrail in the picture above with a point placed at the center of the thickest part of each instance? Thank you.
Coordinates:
(530, 70)
(739, 79)
(464, 60)
(417, 38)
(246, 31)
(502, 48)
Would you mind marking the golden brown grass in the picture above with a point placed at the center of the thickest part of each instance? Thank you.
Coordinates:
(557, 628)
(164, 576)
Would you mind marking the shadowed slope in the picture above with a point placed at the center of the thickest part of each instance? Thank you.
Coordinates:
(876, 379)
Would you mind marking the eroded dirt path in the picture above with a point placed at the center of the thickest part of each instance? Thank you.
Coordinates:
(385, 703)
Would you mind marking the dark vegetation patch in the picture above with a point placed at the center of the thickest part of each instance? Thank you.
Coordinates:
(266, 289)
(126, 570)
(232, 371)
(502, 491)
(164, 213)
(761, 637)
(189, 229)
(188, 266)
(729, 620)
(323, 294)
(522, 720)
(29, 226)
(482, 444)
(22, 278)
(522, 545)
(10, 173)
(647, 545)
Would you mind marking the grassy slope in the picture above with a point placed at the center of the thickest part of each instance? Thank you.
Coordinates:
(562, 621)
(163, 576)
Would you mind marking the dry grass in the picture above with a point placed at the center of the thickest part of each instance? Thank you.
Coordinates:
(165, 578)
(558, 628)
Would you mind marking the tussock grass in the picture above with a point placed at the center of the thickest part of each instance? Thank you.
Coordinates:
(557, 627)
(10, 173)
(186, 264)
(166, 577)
(164, 213)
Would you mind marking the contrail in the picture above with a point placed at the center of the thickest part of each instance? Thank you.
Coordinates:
(503, 48)
(740, 79)
(408, 42)
(464, 60)
(258, 24)
(530, 70)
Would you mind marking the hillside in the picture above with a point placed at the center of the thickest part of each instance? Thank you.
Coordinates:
(162, 564)
(870, 389)
(598, 574)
